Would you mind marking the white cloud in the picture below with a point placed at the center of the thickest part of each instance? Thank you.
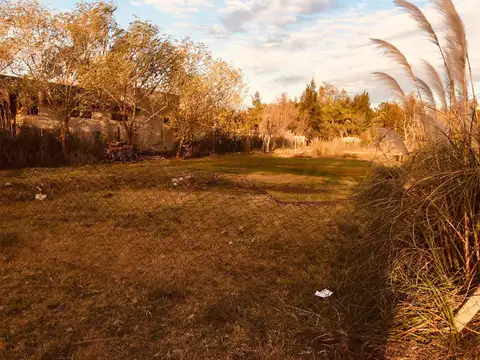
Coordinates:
(281, 44)
(237, 13)
(135, 3)
(276, 58)
(179, 7)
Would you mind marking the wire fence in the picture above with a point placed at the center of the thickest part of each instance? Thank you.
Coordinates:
(150, 235)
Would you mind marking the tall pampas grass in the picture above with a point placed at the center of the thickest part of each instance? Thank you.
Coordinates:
(430, 208)
(392, 84)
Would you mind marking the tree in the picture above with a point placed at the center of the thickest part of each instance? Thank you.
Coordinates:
(362, 112)
(276, 119)
(309, 108)
(253, 118)
(390, 116)
(10, 41)
(135, 72)
(58, 52)
(206, 87)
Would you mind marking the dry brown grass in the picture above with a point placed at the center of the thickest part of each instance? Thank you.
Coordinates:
(122, 264)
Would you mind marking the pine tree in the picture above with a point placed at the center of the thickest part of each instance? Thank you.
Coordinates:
(310, 108)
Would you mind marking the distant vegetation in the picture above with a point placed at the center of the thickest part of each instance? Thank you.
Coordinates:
(81, 60)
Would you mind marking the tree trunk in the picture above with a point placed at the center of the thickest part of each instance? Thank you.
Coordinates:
(131, 129)
(268, 144)
(161, 135)
(13, 114)
(130, 135)
(14, 126)
(65, 132)
(179, 150)
(213, 142)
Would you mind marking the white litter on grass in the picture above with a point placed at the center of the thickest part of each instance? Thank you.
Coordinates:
(40, 197)
(180, 180)
(8, 184)
(325, 293)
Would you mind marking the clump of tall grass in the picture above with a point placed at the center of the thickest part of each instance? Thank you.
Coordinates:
(429, 207)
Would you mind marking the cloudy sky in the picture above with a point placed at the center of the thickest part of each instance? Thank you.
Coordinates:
(281, 44)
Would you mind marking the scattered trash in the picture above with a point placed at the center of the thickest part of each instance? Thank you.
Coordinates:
(8, 184)
(180, 180)
(325, 293)
(468, 311)
(40, 197)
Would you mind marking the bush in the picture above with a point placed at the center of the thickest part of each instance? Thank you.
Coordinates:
(422, 223)
(34, 147)
(338, 146)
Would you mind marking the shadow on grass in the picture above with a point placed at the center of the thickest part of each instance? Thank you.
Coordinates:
(329, 168)
(366, 303)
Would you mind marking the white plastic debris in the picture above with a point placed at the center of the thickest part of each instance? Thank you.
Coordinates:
(325, 293)
(8, 184)
(40, 197)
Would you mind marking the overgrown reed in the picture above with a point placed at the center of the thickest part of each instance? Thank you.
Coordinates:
(430, 205)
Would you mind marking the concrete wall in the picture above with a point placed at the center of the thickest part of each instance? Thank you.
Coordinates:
(153, 135)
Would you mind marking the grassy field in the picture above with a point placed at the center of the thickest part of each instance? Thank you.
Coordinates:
(201, 259)
(293, 179)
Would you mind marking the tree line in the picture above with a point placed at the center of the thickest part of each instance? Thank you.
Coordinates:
(327, 112)
(83, 60)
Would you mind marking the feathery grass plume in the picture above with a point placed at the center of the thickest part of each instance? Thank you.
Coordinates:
(392, 52)
(426, 26)
(428, 116)
(437, 83)
(456, 43)
(392, 84)
(420, 18)
(427, 91)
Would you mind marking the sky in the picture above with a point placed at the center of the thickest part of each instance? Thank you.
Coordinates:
(281, 44)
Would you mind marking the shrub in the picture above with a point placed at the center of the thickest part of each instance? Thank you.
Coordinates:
(34, 147)
(338, 146)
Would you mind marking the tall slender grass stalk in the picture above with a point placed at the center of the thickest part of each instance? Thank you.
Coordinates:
(432, 204)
